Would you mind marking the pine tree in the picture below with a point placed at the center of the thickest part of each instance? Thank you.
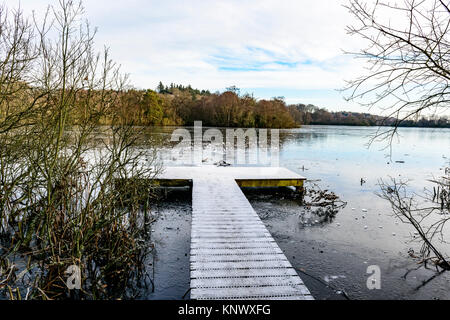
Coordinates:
(161, 87)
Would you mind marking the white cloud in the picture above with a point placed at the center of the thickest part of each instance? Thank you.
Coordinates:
(292, 44)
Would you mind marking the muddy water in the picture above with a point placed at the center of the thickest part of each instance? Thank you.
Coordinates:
(339, 252)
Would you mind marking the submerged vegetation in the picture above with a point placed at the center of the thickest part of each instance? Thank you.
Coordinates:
(318, 206)
(427, 213)
(323, 204)
(61, 208)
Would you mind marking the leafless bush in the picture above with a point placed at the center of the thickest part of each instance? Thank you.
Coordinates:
(60, 203)
(428, 213)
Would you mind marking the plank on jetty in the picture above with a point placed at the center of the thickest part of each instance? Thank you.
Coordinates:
(233, 255)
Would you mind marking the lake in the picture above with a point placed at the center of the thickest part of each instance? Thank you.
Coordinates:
(338, 253)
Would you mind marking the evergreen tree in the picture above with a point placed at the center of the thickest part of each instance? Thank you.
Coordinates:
(161, 88)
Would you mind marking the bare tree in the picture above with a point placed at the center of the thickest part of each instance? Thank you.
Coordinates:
(18, 53)
(408, 56)
(69, 193)
(407, 50)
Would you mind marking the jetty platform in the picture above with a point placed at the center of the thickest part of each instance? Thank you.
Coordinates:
(232, 254)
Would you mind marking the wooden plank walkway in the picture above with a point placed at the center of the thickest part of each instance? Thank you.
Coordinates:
(233, 255)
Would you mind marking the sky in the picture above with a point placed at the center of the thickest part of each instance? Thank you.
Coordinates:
(269, 48)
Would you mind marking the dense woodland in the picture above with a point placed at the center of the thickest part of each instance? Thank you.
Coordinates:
(182, 105)
(179, 105)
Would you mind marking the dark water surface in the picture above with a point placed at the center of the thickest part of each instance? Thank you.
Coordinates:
(364, 233)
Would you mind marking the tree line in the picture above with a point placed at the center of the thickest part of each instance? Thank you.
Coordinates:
(178, 105)
(312, 115)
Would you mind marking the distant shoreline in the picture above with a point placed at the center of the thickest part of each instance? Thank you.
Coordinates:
(309, 125)
(178, 105)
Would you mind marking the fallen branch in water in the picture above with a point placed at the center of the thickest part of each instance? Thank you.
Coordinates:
(322, 198)
(326, 203)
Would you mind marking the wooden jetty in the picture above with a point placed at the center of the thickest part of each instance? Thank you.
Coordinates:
(233, 255)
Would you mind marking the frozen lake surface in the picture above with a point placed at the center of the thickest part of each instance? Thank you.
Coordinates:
(337, 252)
